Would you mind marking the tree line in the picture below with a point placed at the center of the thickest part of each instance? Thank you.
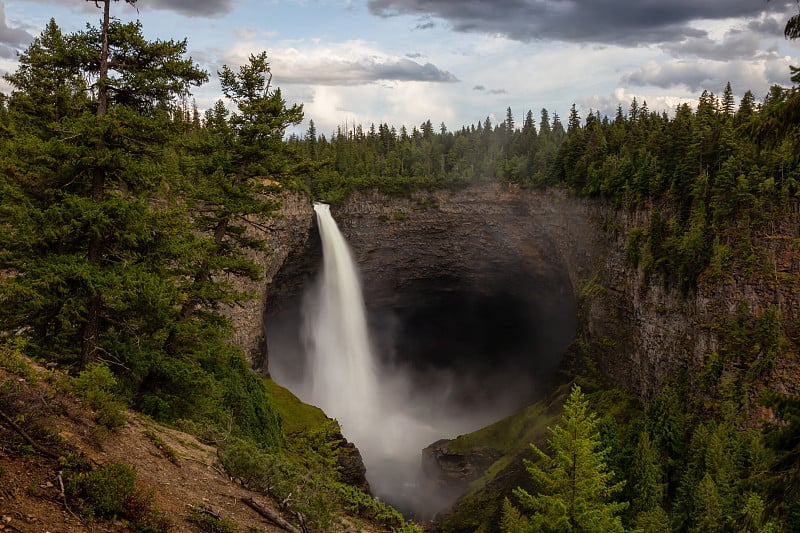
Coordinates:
(709, 174)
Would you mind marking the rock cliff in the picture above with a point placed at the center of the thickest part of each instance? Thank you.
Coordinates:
(530, 254)
(491, 283)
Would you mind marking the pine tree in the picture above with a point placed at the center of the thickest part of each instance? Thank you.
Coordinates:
(575, 489)
(728, 102)
(511, 520)
(238, 156)
(89, 249)
(646, 476)
(574, 120)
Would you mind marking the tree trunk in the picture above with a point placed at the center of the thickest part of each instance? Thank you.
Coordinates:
(271, 515)
(91, 332)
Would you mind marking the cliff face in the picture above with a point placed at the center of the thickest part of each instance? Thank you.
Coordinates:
(531, 255)
(284, 234)
(646, 333)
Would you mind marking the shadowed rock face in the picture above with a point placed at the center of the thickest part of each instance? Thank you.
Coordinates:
(470, 290)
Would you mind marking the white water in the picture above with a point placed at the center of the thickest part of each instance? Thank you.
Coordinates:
(341, 365)
(345, 379)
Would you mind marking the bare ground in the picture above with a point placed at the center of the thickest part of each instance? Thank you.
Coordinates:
(182, 472)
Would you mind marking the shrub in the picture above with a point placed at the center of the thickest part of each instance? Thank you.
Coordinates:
(110, 493)
(12, 360)
(210, 523)
(96, 386)
(244, 460)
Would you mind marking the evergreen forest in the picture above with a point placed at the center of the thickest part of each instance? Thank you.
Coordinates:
(125, 214)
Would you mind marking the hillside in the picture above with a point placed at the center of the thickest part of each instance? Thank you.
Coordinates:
(60, 440)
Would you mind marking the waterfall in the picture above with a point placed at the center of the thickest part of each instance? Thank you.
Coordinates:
(372, 404)
(341, 364)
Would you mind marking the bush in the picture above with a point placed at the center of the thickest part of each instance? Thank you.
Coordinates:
(211, 524)
(12, 360)
(244, 460)
(110, 493)
(96, 386)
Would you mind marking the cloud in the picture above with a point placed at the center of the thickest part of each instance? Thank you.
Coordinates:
(406, 103)
(705, 74)
(348, 63)
(620, 22)
(190, 8)
(11, 39)
(736, 44)
(195, 8)
(606, 105)
(482, 88)
(742, 41)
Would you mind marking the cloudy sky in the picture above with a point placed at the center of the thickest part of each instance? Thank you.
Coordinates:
(458, 61)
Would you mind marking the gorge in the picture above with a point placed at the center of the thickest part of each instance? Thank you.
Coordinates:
(437, 268)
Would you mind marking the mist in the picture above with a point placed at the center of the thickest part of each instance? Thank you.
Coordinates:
(400, 378)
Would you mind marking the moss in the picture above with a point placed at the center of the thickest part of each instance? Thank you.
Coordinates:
(296, 416)
(507, 435)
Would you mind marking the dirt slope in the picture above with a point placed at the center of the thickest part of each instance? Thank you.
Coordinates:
(181, 471)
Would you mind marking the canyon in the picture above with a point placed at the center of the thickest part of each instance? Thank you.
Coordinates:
(476, 293)
(532, 254)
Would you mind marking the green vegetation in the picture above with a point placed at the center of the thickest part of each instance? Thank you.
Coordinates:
(574, 485)
(110, 493)
(107, 269)
(167, 450)
(211, 523)
(12, 360)
(96, 386)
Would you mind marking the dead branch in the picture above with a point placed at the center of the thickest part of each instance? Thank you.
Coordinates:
(271, 515)
(44, 451)
(64, 496)
(206, 510)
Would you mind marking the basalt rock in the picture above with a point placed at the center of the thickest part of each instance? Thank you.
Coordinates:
(502, 248)
(447, 468)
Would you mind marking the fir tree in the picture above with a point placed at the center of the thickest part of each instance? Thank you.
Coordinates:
(575, 489)
(239, 155)
(90, 251)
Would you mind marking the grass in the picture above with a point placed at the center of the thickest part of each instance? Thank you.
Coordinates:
(165, 449)
(296, 416)
(513, 433)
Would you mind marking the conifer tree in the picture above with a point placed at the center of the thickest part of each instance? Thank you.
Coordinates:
(88, 249)
(574, 488)
(241, 156)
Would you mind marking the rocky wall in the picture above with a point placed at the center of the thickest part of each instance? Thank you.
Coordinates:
(474, 236)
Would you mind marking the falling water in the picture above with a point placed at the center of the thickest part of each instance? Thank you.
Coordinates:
(344, 378)
(342, 368)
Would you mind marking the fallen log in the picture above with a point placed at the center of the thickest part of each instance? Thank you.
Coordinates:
(271, 515)
(42, 450)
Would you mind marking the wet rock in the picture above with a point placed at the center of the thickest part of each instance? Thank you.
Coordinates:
(353, 472)
(455, 470)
